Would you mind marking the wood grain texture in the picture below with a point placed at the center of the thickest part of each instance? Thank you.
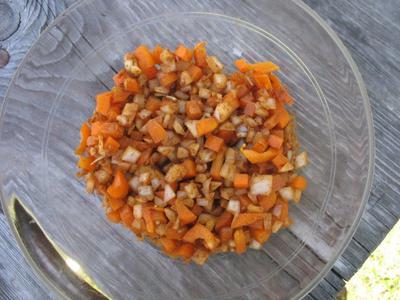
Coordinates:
(368, 28)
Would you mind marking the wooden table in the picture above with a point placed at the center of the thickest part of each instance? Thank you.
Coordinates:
(370, 29)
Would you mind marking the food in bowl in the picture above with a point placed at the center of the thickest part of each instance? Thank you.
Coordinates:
(194, 159)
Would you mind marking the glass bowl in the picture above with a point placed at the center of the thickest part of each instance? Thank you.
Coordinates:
(75, 58)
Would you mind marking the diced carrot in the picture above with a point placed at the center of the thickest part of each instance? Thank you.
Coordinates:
(214, 143)
(156, 53)
(120, 77)
(126, 215)
(158, 216)
(267, 201)
(107, 129)
(171, 233)
(184, 53)
(206, 125)
(144, 157)
(241, 91)
(186, 216)
(185, 250)
(131, 85)
(156, 131)
(275, 82)
(115, 203)
(111, 145)
(103, 102)
(217, 165)
(299, 182)
(193, 109)
(150, 73)
(244, 202)
(240, 241)
(114, 111)
(119, 95)
(195, 72)
(144, 57)
(232, 100)
(169, 245)
(256, 157)
(262, 81)
(275, 141)
(85, 163)
(279, 160)
(119, 188)
(283, 117)
(225, 234)
(85, 133)
(200, 54)
(260, 235)
(278, 132)
(284, 97)
(272, 121)
(224, 220)
(114, 216)
(199, 231)
(260, 144)
(264, 67)
(257, 224)
(246, 219)
(250, 109)
(242, 65)
(153, 104)
(241, 181)
(167, 79)
(238, 78)
(229, 136)
(150, 226)
(279, 181)
(190, 167)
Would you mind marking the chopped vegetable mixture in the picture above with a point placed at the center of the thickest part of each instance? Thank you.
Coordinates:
(196, 160)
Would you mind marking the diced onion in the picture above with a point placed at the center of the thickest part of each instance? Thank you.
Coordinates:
(301, 160)
(233, 206)
(138, 211)
(261, 185)
(287, 193)
(169, 193)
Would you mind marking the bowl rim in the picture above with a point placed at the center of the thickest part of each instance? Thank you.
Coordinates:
(371, 148)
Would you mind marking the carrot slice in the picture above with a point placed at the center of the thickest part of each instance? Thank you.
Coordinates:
(169, 245)
(206, 125)
(153, 104)
(240, 241)
(144, 57)
(246, 219)
(260, 144)
(283, 116)
(280, 160)
(103, 102)
(214, 143)
(119, 187)
(186, 216)
(156, 131)
(85, 133)
(275, 82)
(241, 181)
(85, 163)
(256, 157)
(260, 235)
(184, 53)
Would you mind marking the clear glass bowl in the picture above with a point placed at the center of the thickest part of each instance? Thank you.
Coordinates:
(75, 58)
